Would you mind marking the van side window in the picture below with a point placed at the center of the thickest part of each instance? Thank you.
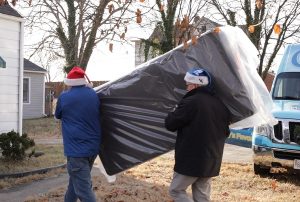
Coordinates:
(2, 63)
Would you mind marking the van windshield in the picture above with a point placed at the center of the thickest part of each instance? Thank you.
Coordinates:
(287, 86)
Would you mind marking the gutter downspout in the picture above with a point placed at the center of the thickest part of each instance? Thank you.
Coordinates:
(21, 69)
(44, 96)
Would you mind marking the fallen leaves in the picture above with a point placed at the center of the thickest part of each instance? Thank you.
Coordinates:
(277, 29)
(150, 181)
(251, 28)
(162, 7)
(138, 16)
(122, 36)
(111, 8)
(2, 2)
(274, 185)
(259, 4)
(217, 30)
(14, 2)
(185, 45)
(194, 39)
(111, 46)
(185, 23)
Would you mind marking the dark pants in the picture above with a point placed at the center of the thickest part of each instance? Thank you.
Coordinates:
(80, 183)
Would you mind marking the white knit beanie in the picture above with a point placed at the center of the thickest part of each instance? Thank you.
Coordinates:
(197, 76)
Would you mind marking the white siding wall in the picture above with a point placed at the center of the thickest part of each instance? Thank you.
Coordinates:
(35, 107)
(140, 53)
(10, 32)
(139, 56)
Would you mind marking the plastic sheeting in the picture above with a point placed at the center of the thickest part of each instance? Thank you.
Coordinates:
(134, 107)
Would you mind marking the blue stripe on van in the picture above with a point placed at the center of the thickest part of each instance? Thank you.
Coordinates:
(242, 137)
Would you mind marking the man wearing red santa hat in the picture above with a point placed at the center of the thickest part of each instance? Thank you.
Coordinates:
(79, 111)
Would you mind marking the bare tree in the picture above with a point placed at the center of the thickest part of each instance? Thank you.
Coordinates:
(173, 25)
(70, 29)
(259, 18)
(49, 61)
(13, 2)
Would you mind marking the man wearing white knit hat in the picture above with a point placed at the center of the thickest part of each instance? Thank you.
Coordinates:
(201, 121)
(79, 111)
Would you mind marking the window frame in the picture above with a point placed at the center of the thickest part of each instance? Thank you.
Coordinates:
(29, 91)
(280, 86)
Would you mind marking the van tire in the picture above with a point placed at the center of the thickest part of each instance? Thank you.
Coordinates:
(258, 170)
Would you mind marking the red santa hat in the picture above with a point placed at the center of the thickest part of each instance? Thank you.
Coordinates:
(77, 77)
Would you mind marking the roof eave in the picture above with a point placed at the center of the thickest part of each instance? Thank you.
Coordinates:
(13, 18)
(32, 71)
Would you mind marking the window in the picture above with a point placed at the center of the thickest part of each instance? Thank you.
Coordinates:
(26, 90)
(287, 86)
(203, 28)
(2, 63)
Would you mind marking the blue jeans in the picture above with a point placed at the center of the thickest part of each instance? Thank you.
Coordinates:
(80, 183)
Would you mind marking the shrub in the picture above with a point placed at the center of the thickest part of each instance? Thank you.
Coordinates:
(13, 146)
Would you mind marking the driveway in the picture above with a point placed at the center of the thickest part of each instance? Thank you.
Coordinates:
(237, 154)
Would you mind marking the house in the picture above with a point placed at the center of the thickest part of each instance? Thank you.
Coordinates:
(199, 25)
(203, 24)
(58, 87)
(33, 90)
(269, 80)
(54, 89)
(11, 69)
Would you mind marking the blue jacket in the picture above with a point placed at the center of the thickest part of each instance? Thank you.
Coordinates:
(79, 111)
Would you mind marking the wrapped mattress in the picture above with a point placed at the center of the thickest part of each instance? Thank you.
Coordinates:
(134, 106)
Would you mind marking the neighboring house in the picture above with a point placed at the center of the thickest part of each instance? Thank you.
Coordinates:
(55, 89)
(269, 80)
(199, 25)
(11, 69)
(140, 58)
(203, 24)
(33, 90)
(58, 87)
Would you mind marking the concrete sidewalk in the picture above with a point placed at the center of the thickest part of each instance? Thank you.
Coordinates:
(232, 154)
(48, 141)
(237, 154)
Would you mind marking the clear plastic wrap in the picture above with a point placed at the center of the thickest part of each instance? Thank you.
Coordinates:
(134, 107)
(241, 51)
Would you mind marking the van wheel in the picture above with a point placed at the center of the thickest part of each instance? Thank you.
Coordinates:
(258, 170)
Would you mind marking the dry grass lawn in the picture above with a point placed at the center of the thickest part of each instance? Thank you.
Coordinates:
(53, 156)
(150, 181)
(42, 128)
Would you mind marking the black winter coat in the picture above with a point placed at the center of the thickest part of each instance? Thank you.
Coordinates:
(201, 121)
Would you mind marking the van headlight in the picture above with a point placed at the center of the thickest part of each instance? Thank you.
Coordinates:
(264, 130)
